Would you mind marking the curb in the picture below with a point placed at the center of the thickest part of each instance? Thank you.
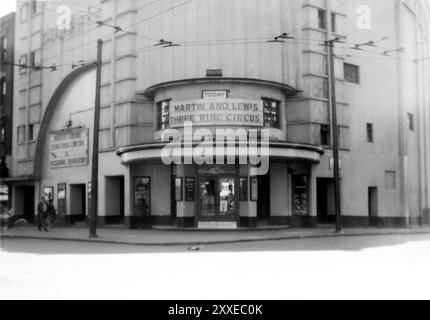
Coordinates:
(216, 242)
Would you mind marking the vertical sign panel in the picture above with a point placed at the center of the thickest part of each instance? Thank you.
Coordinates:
(62, 198)
(142, 196)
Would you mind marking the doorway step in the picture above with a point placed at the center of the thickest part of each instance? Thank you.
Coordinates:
(217, 225)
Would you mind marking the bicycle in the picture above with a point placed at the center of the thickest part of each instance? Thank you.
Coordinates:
(10, 220)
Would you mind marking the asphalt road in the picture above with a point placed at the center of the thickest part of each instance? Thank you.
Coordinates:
(375, 267)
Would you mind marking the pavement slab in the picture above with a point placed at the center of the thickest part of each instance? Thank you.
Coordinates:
(163, 237)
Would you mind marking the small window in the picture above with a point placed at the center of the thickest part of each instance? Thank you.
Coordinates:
(369, 129)
(325, 134)
(34, 60)
(333, 22)
(21, 134)
(3, 48)
(322, 20)
(411, 122)
(23, 12)
(34, 7)
(2, 90)
(271, 113)
(163, 115)
(2, 134)
(23, 64)
(31, 132)
(390, 180)
(351, 73)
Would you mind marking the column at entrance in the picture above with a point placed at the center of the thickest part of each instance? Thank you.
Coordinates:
(248, 206)
(280, 194)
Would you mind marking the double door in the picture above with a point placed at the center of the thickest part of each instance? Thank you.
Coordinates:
(217, 198)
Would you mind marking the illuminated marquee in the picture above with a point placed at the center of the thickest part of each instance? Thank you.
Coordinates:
(216, 112)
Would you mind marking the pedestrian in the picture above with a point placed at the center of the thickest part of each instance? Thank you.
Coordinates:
(42, 211)
(51, 213)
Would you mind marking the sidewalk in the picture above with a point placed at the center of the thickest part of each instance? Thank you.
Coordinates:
(160, 237)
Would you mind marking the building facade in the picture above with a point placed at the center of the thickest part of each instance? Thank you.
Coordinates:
(7, 38)
(254, 71)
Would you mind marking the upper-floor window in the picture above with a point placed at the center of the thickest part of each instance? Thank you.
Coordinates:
(2, 90)
(333, 22)
(325, 134)
(23, 64)
(411, 122)
(34, 8)
(21, 134)
(163, 114)
(31, 132)
(322, 19)
(34, 59)
(369, 129)
(351, 73)
(271, 113)
(3, 48)
(23, 12)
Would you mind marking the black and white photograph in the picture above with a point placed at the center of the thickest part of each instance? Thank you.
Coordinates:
(198, 151)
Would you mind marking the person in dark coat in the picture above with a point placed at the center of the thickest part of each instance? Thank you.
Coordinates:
(51, 213)
(42, 211)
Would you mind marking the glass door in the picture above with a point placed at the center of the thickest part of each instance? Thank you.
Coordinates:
(217, 199)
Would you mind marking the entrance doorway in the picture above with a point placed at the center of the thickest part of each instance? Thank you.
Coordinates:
(263, 202)
(114, 197)
(325, 200)
(217, 199)
(78, 211)
(24, 202)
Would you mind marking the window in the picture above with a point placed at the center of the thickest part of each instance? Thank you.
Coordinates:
(31, 132)
(2, 90)
(369, 128)
(21, 134)
(34, 60)
(411, 122)
(23, 64)
(3, 48)
(322, 22)
(271, 113)
(325, 134)
(333, 22)
(23, 12)
(163, 115)
(390, 180)
(33, 7)
(351, 73)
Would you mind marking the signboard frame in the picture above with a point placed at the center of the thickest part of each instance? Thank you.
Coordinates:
(85, 139)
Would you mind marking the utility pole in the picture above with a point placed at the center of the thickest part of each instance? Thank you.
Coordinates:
(95, 157)
(335, 134)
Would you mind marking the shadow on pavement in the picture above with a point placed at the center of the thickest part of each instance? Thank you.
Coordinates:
(347, 243)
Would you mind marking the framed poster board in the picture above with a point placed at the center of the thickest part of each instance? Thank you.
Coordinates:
(142, 196)
(48, 193)
(243, 189)
(254, 189)
(300, 195)
(178, 189)
(61, 199)
(190, 189)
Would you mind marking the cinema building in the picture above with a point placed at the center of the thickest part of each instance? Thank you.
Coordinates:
(250, 66)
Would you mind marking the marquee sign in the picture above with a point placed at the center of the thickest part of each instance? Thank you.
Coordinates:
(216, 112)
(68, 148)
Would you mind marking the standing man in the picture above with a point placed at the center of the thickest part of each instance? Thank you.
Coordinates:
(51, 214)
(42, 212)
